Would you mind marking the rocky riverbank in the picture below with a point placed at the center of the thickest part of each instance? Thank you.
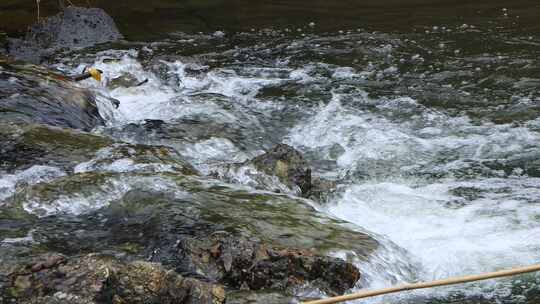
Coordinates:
(82, 221)
(270, 165)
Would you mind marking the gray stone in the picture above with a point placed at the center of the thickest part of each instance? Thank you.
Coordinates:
(287, 164)
(33, 94)
(75, 27)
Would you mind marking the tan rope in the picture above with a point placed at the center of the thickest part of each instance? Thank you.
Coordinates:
(449, 281)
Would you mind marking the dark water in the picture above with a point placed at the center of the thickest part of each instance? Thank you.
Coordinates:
(149, 19)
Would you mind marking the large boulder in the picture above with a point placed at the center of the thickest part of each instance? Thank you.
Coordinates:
(75, 27)
(252, 265)
(32, 94)
(93, 278)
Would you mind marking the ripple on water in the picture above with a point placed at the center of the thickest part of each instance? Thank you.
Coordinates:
(435, 141)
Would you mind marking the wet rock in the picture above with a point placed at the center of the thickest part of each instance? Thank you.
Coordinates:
(244, 264)
(144, 214)
(321, 188)
(75, 27)
(201, 138)
(287, 173)
(121, 157)
(124, 80)
(288, 165)
(32, 94)
(95, 278)
(23, 146)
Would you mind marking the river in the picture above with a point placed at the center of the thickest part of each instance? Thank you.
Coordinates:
(425, 114)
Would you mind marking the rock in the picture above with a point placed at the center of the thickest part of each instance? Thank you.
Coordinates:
(258, 297)
(150, 212)
(124, 80)
(95, 278)
(32, 94)
(321, 188)
(75, 27)
(122, 157)
(244, 264)
(287, 164)
(281, 170)
(23, 146)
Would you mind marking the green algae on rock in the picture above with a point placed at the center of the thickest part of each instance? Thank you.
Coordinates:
(26, 145)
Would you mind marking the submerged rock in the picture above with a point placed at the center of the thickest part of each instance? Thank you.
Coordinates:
(243, 264)
(284, 163)
(32, 94)
(75, 27)
(25, 145)
(95, 278)
(287, 164)
(321, 188)
(274, 243)
(282, 170)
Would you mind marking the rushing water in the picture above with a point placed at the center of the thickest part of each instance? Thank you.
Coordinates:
(432, 135)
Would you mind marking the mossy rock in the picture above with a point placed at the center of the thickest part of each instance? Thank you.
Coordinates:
(23, 146)
(157, 208)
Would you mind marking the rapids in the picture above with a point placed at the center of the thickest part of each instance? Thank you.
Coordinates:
(433, 137)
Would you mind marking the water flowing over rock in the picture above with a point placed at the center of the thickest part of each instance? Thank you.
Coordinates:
(404, 157)
(26, 145)
(282, 169)
(95, 278)
(75, 27)
(33, 94)
(288, 165)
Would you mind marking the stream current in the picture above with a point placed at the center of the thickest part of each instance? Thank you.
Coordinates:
(433, 137)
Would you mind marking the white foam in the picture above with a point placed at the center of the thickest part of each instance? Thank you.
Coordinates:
(494, 232)
(105, 162)
(250, 176)
(29, 238)
(366, 136)
(30, 176)
(77, 203)
(444, 234)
